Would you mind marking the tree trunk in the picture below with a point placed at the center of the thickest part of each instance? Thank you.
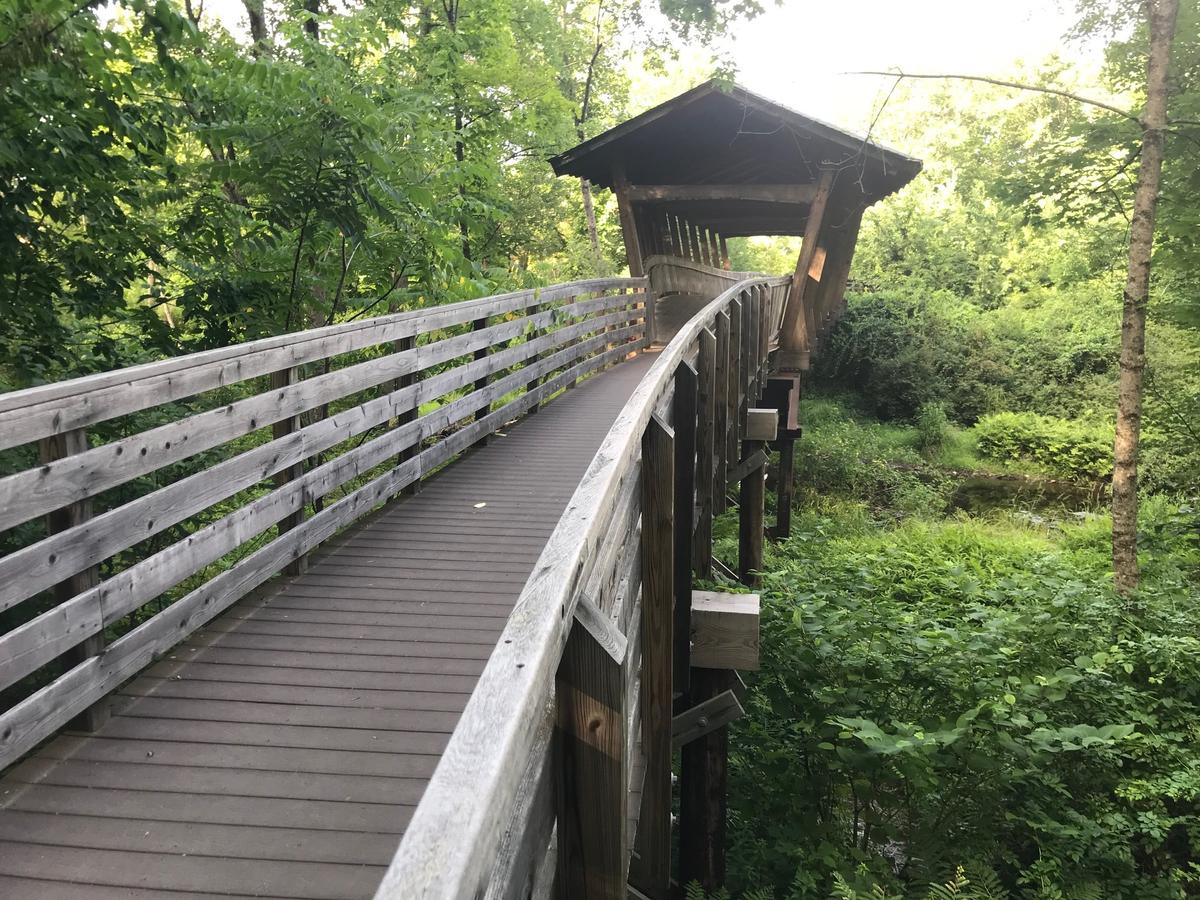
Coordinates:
(589, 212)
(258, 23)
(1162, 15)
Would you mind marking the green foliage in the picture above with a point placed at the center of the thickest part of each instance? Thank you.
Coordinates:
(935, 695)
(1072, 448)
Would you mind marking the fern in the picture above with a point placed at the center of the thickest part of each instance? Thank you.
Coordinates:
(954, 889)
(985, 883)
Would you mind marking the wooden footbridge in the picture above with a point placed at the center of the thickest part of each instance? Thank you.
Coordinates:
(403, 607)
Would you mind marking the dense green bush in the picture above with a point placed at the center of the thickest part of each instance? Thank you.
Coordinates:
(1072, 448)
(967, 694)
(900, 353)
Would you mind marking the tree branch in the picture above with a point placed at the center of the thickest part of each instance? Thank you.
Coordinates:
(1016, 85)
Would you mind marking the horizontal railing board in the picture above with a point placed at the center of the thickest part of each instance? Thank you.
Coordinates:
(451, 843)
(27, 415)
(36, 567)
(31, 645)
(36, 491)
(39, 715)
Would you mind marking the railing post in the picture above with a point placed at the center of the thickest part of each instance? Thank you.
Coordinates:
(482, 381)
(736, 387)
(532, 384)
(409, 415)
(57, 446)
(591, 769)
(721, 413)
(282, 428)
(706, 445)
(651, 869)
(684, 421)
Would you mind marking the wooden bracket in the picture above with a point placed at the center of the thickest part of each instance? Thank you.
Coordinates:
(748, 467)
(705, 718)
(602, 629)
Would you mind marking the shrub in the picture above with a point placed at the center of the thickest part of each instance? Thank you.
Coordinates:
(1072, 448)
(933, 428)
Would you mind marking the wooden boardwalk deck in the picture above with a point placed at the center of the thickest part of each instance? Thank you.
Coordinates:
(279, 752)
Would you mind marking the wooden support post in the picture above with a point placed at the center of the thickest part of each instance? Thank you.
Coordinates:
(751, 531)
(796, 337)
(279, 429)
(721, 414)
(651, 870)
(591, 768)
(783, 394)
(704, 779)
(633, 251)
(706, 445)
(785, 488)
(49, 449)
(714, 249)
(684, 422)
(725, 263)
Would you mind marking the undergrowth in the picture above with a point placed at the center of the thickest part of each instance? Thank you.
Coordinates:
(956, 705)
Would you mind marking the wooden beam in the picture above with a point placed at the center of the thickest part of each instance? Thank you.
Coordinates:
(705, 718)
(651, 870)
(629, 230)
(590, 762)
(837, 271)
(765, 193)
(747, 467)
(725, 264)
(725, 630)
(796, 337)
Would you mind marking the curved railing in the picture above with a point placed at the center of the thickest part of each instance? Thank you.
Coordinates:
(586, 648)
(212, 472)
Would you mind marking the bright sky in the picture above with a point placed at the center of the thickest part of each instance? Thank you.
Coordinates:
(795, 52)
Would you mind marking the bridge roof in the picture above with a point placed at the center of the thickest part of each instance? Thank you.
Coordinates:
(721, 134)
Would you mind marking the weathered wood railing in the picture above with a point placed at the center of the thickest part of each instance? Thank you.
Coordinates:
(572, 715)
(257, 453)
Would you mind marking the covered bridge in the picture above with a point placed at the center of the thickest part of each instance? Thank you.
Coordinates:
(403, 607)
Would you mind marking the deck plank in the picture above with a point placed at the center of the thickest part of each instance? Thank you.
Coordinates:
(280, 751)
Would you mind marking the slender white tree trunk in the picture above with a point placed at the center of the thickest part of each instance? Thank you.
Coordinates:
(1161, 16)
